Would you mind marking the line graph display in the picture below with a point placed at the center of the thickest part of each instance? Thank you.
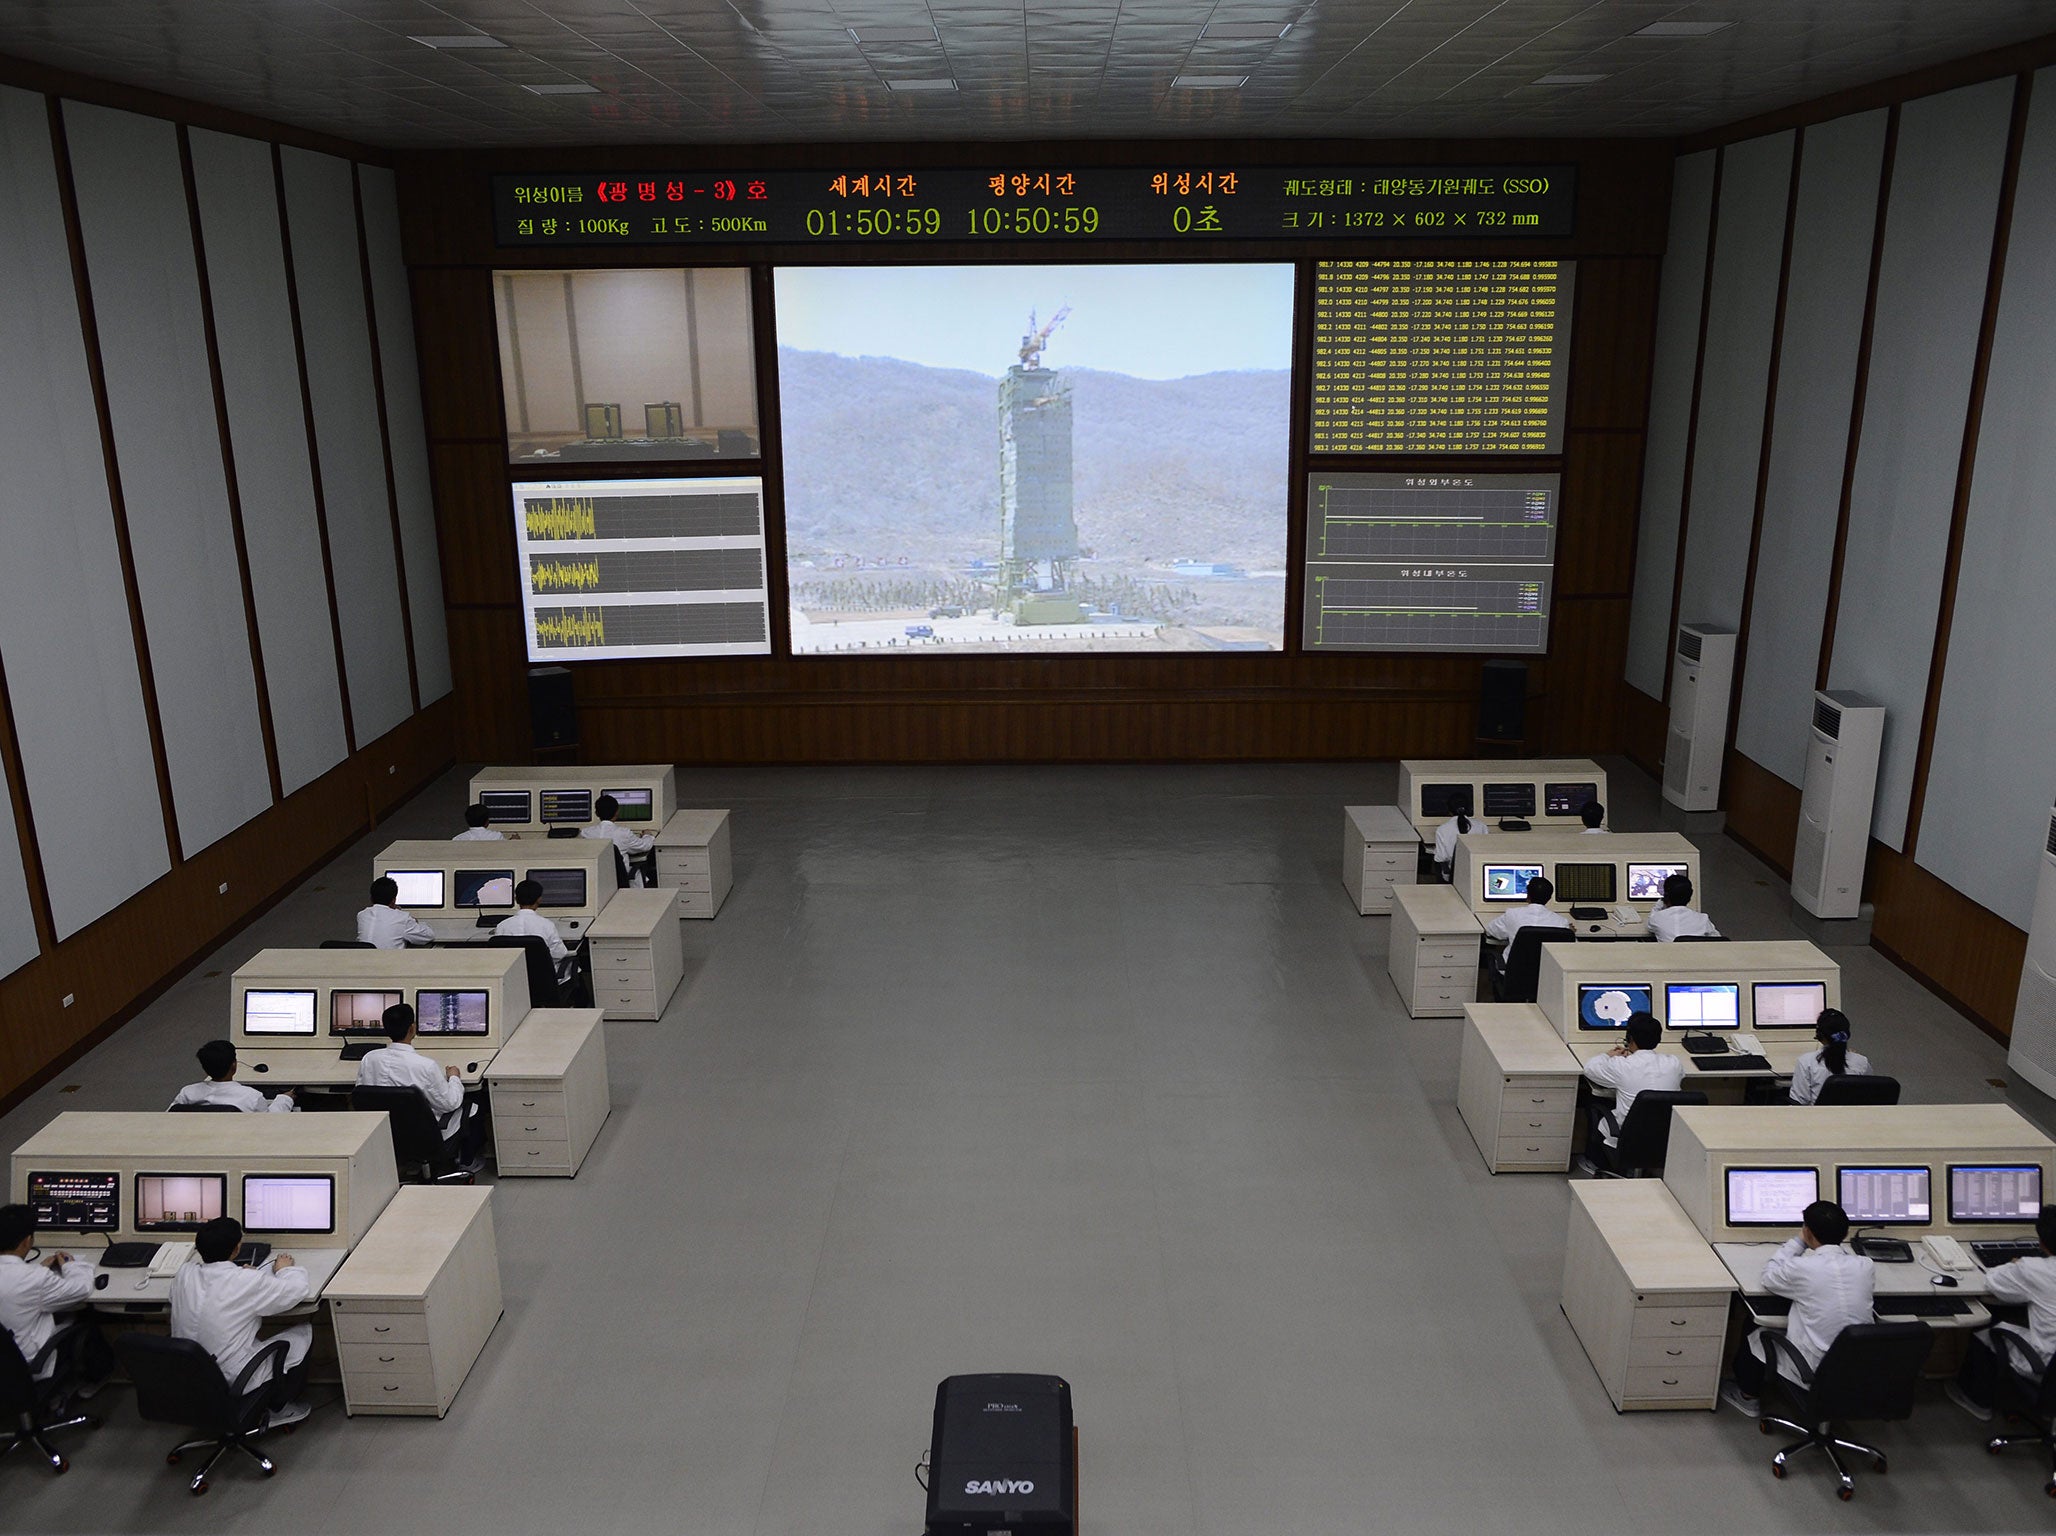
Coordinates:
(624, 568)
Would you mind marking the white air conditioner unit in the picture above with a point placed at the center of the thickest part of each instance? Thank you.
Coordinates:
(1834, 806)
(1702, 670)
(2032, 1049)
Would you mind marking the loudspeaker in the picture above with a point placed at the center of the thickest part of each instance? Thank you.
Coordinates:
(1000, 1462)
(1503, 701)
(552, 711)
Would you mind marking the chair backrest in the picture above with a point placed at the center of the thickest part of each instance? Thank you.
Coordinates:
(417, 1138)
(1700, 938)
(621, 874)
(1859, 1088)
(18, 1387)
(346, 944)
(178, 1382)
(1523, 971)
(1870, 1371)
(205, 1109)
(1644, 1140)
(543, 991)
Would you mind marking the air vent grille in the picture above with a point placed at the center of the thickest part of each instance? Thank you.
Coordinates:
(1688, 645)
(1827, 720)
(2052, 834)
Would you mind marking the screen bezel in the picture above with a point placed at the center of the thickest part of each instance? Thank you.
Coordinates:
(1756, 1018)
(442, 880)
(1991, 1221)
(1613, 879)
(544, 818)
(309, 1178)
(1886, 1221)
(420, 1013)
(1668, 871)
(1590, 786)
(483, 906)
(136, 1203)
(493, 819)
(1611, 986)
(1485, 881)
(113, 1204)
(1728, 1195)
(363, 1031)
(1701, 987)
(313, 996)
(1448, 789)
(650, 807)
(1485, 797)
(585, 886)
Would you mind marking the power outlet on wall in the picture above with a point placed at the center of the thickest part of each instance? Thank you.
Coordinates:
(70, 998)
(224, 887)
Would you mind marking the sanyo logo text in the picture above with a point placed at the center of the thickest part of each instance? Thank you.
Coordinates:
(999, 1485)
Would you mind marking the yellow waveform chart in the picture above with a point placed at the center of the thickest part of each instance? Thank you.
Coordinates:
(560, 518)
(571, 626)
(564, 575)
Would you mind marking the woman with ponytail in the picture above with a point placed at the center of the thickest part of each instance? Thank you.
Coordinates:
(1832, 1059)
(1447, 834)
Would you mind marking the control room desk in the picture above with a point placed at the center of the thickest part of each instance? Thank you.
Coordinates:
(550, 1094)
(1517, 1088)
(1434, 952)
(638, 957)
(693, 860)
(133, 1291)
(322, 1067)
(1745, 1261)
(1379, 851)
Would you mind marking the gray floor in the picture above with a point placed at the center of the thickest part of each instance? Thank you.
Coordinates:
(1092, 1071)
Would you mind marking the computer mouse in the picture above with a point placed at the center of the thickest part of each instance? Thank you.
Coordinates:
(470, 1066)
(100, 1282)
(259, 1066)
(1946, 1282)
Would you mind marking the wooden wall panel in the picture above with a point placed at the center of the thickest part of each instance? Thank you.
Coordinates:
(1602, 487)
(1763, 811)
(1611, 351)
(1644, 723)
(1960, 951)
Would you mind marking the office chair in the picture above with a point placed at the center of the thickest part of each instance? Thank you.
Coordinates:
(205, 1109)
(1869, 1372)
(1643, 1141)
(419, 1145)
(346, 944)
(2029, 1391)
(178, 1382)
(543, 988)
(1700, 938)
(1859, 1088)
(29, 1404)
(1518, 981)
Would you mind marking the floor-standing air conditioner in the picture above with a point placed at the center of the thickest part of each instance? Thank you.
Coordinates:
(2032, 1050)
(1702, 668)
(1834, 806)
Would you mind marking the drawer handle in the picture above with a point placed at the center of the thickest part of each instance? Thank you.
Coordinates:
(1675, 1354)
(387, 1359)
(395, 1389)
(1538, 1101)
(1679, 1322)
(528, 1127)
(535, 1154)
(1670, 1381)
(1534, 1125)
(380, 1328)
(530, 1103)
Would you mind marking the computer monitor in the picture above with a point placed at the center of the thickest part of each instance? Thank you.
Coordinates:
(1994, 1192)
(443, 1011)
(360, 1015)
(418, 887)
(1585, 882)
(561, 887)
(1788, 1004)
(1607, 1004)
(563, 806)
(484, 887)
(505, 805)
(636, 804)
(1699, 1005)
(1509, 800)
(1567, 799)
(1645, 881)
(179, 1202)
(289, 1202)
(272, 1012)
(1509, 882)
(75, 1202)
(1771, 1197)
(1896, 1195)
(1441, 800)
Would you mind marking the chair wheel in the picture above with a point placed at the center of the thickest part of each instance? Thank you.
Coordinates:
(172, 1459)
(1845, 1494)
(199, 1488)
(2050, 1489)
(1880, 1463)
(271, 1471)
(60, 1466)
(1777, 1469)
(1763, 1426)
(1993, 1448)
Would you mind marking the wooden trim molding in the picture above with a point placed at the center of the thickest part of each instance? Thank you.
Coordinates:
(1670, 636)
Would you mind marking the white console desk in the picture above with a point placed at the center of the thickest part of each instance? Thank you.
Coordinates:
(693, 860)
(1379, 851)
(638, 957)
(1434, 953)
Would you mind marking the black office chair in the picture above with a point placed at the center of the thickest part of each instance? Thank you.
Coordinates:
(29, 1404)
(1869, 1372)
(205, 1109)
(1859, 1088)
(346, 944)
(178, 1382)
(2029, 1391)
(1643, 1141)
(543, 988)
(1700, 938)
(1519, 979)
(419, 1146)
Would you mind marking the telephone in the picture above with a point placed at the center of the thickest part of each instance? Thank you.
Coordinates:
(1948, 1253)
(170, 1259)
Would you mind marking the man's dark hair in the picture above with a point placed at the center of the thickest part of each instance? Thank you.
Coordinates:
(218, 1239)
(1593, 814)
(398, 1021)
(217, 1058)
(1677, 891)
(606, 807)
(528, 893)
(477, 815)
(1540, 892)
(385, 891)
(2045, 1228)
(1644, 1030)
(17, 1226)
(1826, 1221)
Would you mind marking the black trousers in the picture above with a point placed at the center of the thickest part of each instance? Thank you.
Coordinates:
(1749, 1371)
(1982, 1370)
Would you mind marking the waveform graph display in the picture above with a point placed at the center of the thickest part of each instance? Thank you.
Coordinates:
(1501, 518)
(1380, 607)
(627, 568)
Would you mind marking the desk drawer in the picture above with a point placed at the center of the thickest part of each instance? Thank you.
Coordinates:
(1443, 994)
(514, 1158)
(622, 974)
(511, 1099)
(686, 880)
(626, 1002)
(684, 861)
(1384, 860)
(1521, 1095)
(385, 1389)
(1685, 1317)
(696, 904)
(1533, 1151)
(633, 953)
(378, 1327)
(1534, 1122)
(509, 1129)
(1444, 954)
(1660, 1384)
(386, 1359)
(1687, 1352)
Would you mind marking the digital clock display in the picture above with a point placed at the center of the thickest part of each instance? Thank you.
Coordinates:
(1197, 203)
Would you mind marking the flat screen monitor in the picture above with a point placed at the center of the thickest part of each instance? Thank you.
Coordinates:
(1509, 800)
(1440, 801)
(484, 887)
(1889, 1196)
(1788, 1004)
(1567, 799)
(1770, 1197)
(1995, 1192)
(418, 887)
(1607, 1004)
(75, 1202)
(442, 1011)
(636, 804)
(1699, 1005)
(278, 1012)
(1509, 882)
(360, 1015)
(564, 807)
(505, 806)
(1645, 881)
(179, 1202)
(1585, 882)
(296, 1202)
(561, 887)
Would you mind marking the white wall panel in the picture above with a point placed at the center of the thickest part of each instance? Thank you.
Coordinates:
(1993, 773)
(1741, 318)
(1831, 241)
(409, 433)
(1670, 412)
(1931, 289)
(65, 636)
(322, 217)
(160, 395)
(260, 376)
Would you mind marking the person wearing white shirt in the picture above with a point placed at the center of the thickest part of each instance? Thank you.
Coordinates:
(1533, 913)
(1630, 1068)
(384, 926)
(1677, 918)
(399, 1065)
(478, 827)
(1829, 1288)
(218, 1304)
(33, 1294)
(1593, 814)
(529, 923)
(218, 1061)
(2030, 1283)
(1447, 834)
(631, 844)
(1811, 1072)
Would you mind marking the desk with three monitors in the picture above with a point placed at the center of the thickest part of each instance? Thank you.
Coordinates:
(1551, 792)
(538, 800)
(458, 887)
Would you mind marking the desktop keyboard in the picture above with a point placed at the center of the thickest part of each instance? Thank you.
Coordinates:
(1731, 1061)
(1920, 1306)
(1993, 1254)
(250, 1255)
(128, 1255)
(357, 1050)
(1589, 914)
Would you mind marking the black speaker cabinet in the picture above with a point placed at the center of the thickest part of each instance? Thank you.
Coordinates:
(1503, 701)
(552, 711)
(1000, 1461)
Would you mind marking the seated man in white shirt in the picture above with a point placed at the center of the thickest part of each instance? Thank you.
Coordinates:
(1630, 1068)
(1677, 918)
(478, 827)
(2028, 1282)
(399, 1065)
(529, 923)
(1593, 814)
(218, 1061)
(632, 844)
(34, 1298)
(1533, 913)
(218, 1304)
(1829, 1289)
(384, 926)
